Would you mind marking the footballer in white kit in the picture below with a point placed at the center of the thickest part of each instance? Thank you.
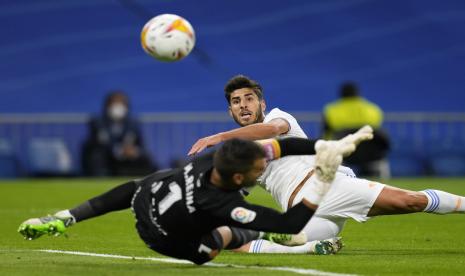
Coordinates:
(291, 178)
(348, 197)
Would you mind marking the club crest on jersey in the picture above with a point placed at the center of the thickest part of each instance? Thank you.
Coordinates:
(243, 215)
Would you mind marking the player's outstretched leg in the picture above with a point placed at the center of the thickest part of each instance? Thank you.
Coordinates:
(116, 199)
(393, 201)
(323, 247)
(441, 202)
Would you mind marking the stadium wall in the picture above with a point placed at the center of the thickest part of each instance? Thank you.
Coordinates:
(422, 143)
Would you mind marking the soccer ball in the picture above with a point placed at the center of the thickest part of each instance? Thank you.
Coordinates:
(168, 37)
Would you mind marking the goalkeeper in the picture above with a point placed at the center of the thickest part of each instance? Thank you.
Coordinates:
(195, 211)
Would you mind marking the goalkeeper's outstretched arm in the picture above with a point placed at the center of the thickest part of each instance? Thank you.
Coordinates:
(279, 147)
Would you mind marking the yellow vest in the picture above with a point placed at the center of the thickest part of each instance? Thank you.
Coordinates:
(352, 112)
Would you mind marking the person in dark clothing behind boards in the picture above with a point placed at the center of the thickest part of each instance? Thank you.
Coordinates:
(115, 145)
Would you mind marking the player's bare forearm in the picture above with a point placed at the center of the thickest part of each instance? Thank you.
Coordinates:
(251, 132)
(204, 143)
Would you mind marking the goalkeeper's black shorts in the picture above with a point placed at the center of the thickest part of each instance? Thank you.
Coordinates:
(195, 249)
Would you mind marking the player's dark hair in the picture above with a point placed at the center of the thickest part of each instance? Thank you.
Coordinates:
(241, 81)
(349, 89)
(236, 156)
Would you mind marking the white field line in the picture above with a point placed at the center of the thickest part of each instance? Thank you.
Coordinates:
(305, 271)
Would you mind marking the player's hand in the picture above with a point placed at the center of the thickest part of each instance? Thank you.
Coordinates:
(204, 143)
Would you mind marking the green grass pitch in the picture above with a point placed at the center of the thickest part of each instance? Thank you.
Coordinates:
(420, 244)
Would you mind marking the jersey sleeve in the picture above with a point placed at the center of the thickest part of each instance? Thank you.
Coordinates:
(294, 128)
(204, 161)
(235, 211)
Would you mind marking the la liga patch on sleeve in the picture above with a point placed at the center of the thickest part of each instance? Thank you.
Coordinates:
(243, 215)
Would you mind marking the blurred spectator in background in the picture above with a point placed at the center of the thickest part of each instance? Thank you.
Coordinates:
(347, 114)
(114, 146)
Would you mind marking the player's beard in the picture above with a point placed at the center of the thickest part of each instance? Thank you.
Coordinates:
(246, 183)
(259, 117)
(249, 183)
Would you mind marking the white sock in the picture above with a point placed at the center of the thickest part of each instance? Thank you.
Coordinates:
(66, 215)
(264, 246)
(440, 202)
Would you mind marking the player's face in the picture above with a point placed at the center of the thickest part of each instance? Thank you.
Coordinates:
(245, 107)
(250, 178)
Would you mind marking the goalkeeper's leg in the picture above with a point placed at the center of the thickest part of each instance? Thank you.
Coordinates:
(118, 198)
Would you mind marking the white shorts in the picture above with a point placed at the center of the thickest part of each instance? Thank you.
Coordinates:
(348, 197)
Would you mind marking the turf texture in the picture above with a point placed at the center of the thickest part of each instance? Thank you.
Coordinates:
(415, 244)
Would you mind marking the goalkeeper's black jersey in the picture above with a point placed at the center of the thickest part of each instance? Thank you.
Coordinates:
(182, 203)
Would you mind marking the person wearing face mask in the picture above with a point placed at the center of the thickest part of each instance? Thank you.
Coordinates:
(114, 145)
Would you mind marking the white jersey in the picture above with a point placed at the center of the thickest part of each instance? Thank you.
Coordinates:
(294, 128)
(348, 197)
(282, 176)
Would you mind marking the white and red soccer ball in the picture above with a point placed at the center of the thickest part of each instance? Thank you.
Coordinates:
(168, 37)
